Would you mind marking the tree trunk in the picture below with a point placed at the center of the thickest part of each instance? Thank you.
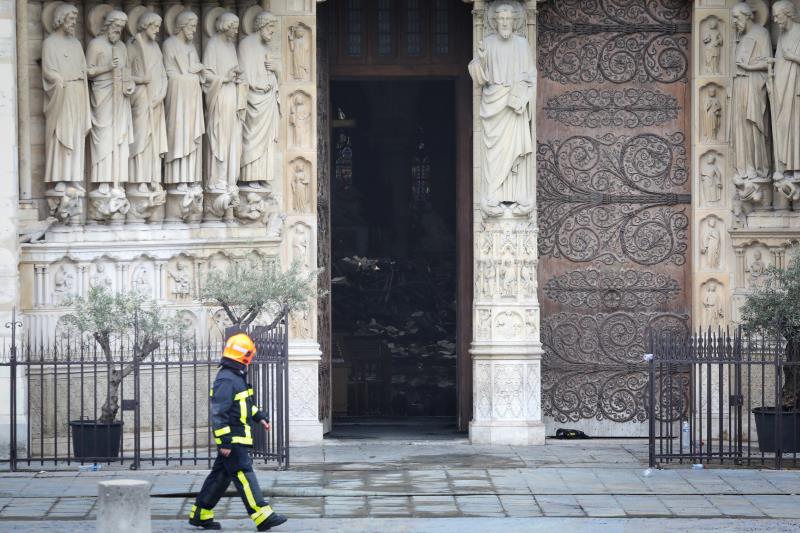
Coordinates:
(791, 373)
(110, 407)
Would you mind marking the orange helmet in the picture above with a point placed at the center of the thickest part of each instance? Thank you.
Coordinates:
(240, 348)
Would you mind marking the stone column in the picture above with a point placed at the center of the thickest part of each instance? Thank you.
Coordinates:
(9, 201)
(506, 350)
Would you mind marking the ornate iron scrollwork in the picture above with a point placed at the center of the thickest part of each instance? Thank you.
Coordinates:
(618, 41)
(608, 199)
(627, 290)
(628, 108)
(593, 368)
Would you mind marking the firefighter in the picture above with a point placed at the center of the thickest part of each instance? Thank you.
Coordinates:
(232, 411)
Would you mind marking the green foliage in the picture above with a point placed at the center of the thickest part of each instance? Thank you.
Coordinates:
(248, 289)
(774, 307)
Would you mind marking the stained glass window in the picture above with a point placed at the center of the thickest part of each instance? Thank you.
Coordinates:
(385, 27)
(354, 27)
(413, 28)
(441, 27)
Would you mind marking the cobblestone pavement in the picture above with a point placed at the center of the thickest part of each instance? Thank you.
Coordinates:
(399, 484)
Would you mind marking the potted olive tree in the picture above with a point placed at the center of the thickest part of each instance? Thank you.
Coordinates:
(248, 289)
(772, 310)
(126, 328)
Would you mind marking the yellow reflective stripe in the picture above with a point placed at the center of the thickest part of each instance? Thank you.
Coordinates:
(241, 396)
(242, 440)
(222, 431)
(191, 513)
(250, 392)
(211, 392)
(218, 441)
(254, 410)
(262, 514)
(205, 514)
(248, 492)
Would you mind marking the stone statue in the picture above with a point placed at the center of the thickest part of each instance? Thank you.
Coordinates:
(147, 102)
(300, 121)
(63, 285)
(275, 225)
(505, 70)
(749, 128)
(183, 104)
(300, 48)
(141, 282)
(182, 282)
(786, 103)
(222, 85)
(711, 244)
(711, 179)
(713, 314)
(712, 43)
(112, 86)
(65, 202)
(300, 246)
(254, 208)
(301, 189)
(756, 271)
(488, 275)
(68, 117)
(262, 118)
(713, 114)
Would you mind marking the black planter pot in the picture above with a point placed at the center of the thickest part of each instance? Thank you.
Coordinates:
(766, 418)
(95, 440)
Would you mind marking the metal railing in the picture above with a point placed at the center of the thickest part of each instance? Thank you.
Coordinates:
(58, 387)
(718, 398)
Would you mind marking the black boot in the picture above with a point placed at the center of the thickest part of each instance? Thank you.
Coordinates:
(272, 521)
(205, 524)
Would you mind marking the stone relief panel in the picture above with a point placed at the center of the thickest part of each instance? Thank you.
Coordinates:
(101, 275)
(712, 114)
(711, 243)
(181, 279)
(301, 245)
(300, 39)
(712, 35)
(711, 168)
(300, 120)
(143, 280)
(65, 282)
(712, 304)
(303, 384)
(302, 185)
(508, 391)
(756, 264)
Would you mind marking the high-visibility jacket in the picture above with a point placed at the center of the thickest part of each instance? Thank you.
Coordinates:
(233, 408)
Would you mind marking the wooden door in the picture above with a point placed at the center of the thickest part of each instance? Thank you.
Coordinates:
(613, 198)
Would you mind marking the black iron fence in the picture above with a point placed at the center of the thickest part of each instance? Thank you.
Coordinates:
(723, 398)
(58, 388)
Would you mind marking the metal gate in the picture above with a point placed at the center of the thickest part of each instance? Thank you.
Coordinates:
(613, 195)
(164, 407)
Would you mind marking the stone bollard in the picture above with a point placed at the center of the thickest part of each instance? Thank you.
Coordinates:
(123, 506)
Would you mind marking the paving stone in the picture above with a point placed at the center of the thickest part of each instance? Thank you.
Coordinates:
(70, 508)
(777, 506)
(559, 505)
(479, 506)
(27, 508)
(381, 506)
(734, 505)
(599, 505)
(520, 506)
(693, 505)
(345, 506)
(434, 506)
(298, 507)
(643, 506)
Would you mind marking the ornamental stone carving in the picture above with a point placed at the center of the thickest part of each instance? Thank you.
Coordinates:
(300, 119)
(786, 104)
(712, 306)
(505, 70)
(300, 171)
(300, 48)
(711, 244)
(712, 46)
(181, 280)
(712, 114)
(710, 179)
(66, 108)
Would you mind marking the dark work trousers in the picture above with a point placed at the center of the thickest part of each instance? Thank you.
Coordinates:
(237, 467)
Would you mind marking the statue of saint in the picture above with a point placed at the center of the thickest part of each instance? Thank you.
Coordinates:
(712, 42)
(300, 49)
(68, 117)
(262, 117)
(711, 244)
(505, 70)
(713, 314)
(222, 84)
(147, 102)
(112, 85)
(756, 271)
(751, 158)
(300, 121)
(184, 104)
(713, 114)
(301, 199)
(711, 179)
(786, 89)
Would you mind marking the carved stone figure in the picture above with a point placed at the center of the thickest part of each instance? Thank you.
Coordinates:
(528, 279)
(253, 209)
(108, 203)
(63, 285)
(747, 193)
(713, 313)
(183, 104)
(100, 278)
(111, 88)
(181, 281)
(711, 179)
(300, 47)
(712, 45)
(505, 70)
(484, 323)
(711, 244)
(508, 279)
(749, 128)
(141, 282)
(223, 85)
(275, 225)
(300, 246)
(147, 102)
(300, 121)
(787, 105)
(260, 142)
(712, 117)
(65, 202)
(300, 325)
(756, 271)
(488, 276)
(68, 116)
(301, 189)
